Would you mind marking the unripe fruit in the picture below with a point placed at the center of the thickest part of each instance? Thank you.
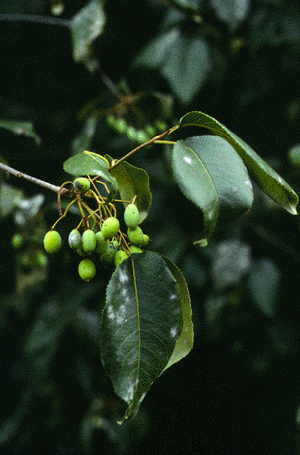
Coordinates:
(145, 239)
(81, 184)
(41, 260)
(120, 125)
(101, 243)
(110, 227)
(86, 269)
(135, 236)
(135, 249)
(115, 245)
(107, 258)
(74, 239)
(52, 242)
(131, 133)
(141, 136)
(17, 241)
(119, 257)
(149, 130)
(89, 241)
(131, 216)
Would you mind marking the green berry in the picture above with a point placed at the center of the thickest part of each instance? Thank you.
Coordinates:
(74, 239)
(86, 269)
(81, 184)
(89, 241)
(149, 130)
(111, 120)
(145, 239)
(120, 125)
(141, 136)
(161, 125)
(17, 241)
(131, 216)
(41, 260)
(135, 236)
(135, 249)
(107, 258)
(52, 242)
(101, 243)
(131, 133)
(110, 227)
(119, 257)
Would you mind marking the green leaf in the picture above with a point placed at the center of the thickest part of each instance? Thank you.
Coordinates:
(211, 174)
(20, 128)
(9, 196)
(184, 61)
(140, 325)
(86, 26)
(185, 341)
(264, 286)
(133, 181)
(263, 175)
(232, 12)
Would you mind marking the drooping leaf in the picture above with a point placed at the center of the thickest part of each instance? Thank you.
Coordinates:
(263, 175)
(232, 12)
(185, 341)
(184, 61)
(86, 26)
(20, 128)
(211, 174)
(133, 181)
(140, 325)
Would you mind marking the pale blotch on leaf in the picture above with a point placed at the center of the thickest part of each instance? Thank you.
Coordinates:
(123, 277)
(248, 183)
(174, 331)
(188, 160)
(173, 296)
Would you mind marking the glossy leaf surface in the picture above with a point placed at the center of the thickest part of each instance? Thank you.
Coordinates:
(133, 181)
(140, 325)
(211, 174)
(185, 341)
(263, 175)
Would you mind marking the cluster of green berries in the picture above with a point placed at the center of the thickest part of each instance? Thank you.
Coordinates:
(133, 134)
(106, 242)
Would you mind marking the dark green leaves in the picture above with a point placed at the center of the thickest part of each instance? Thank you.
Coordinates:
(211, 174)
(133, 181)
(140, 325)
(20, 128)
(86, 26)
(183, 60)
(263, 175)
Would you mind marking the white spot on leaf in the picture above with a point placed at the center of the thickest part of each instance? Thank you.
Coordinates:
(248, 183)
(188, 160)
(123, 277)
(174, 331)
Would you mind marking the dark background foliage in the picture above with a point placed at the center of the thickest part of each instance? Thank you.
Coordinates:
(238, 390)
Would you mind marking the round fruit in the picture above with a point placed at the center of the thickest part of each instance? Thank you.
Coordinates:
(41, 260)
(135, 236)
(145, 239)
(17, 241)
(89, 241)
(131, 133)
(74, 239)
(110, 227)
(86, 269)
(131, 216)
(135, 249)
(101, 243)
(119, 257)
(120, 125)
(141, 136)
(149, 130)
(107, 258)
(52, 242)
(81, 184)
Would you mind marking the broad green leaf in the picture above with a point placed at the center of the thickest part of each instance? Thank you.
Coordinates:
(211, 174)
(184, 61)
(140, 325)
(9, 196)
(20, 128)
(88, 163)
(86, 26)
(185, 341)
(263, 175)
(133, 181)
(232, 12)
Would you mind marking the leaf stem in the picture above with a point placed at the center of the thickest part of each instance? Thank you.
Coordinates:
(48, 186)
(151, 141)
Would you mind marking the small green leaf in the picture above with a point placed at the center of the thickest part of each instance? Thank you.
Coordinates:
(232, 12)
(140, 325)
(263, 175)
(185, 341)
(20, 128)
(211, 174)
(86, 26)
(133, 181)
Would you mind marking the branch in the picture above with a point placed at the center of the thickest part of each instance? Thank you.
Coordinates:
(48, 186)
(35, 19)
